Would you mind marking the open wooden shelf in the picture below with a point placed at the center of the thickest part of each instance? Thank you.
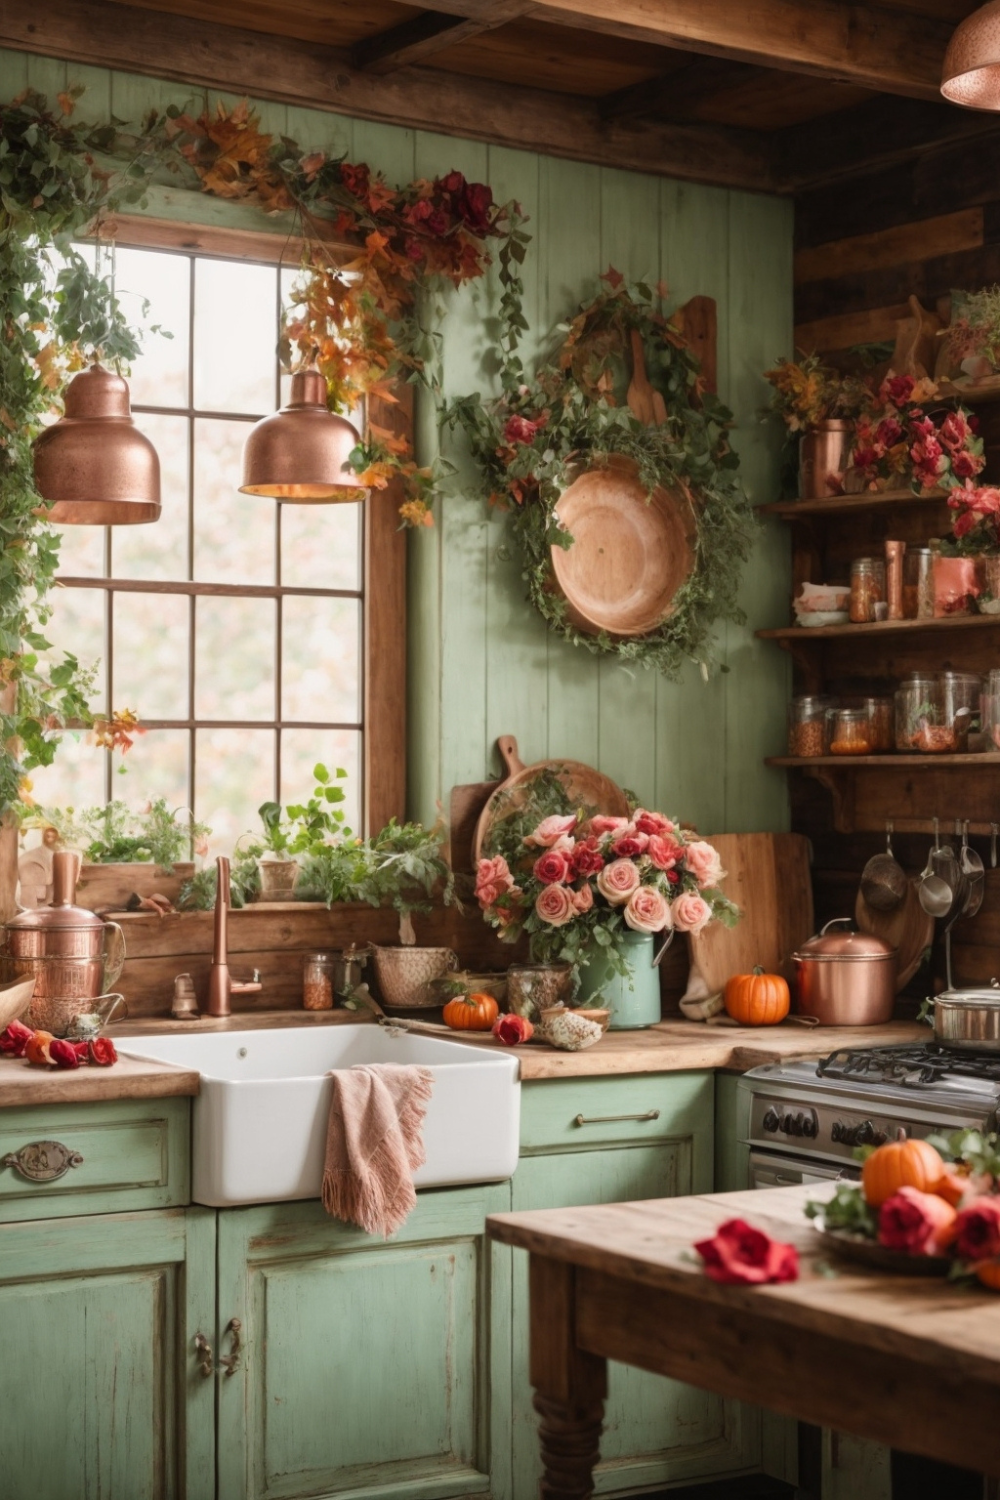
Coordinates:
(885, 762)
(838, 505)
(802, 635)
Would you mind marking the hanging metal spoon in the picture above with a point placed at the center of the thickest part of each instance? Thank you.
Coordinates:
(934, 894)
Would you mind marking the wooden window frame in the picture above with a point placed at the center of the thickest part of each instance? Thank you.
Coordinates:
(383, 688)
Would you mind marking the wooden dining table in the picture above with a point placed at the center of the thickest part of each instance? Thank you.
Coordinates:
(909, 1361)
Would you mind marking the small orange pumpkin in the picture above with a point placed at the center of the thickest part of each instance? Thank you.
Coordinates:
(475, 1012)
(899, 1164)
(757, 999)
(988, 1272)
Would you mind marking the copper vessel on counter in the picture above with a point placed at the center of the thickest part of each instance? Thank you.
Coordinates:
(72, 953)
(846, 978)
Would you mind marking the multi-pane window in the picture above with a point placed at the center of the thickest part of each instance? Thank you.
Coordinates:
(233, 625)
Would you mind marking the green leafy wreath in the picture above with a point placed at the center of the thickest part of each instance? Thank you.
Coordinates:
(532, 441)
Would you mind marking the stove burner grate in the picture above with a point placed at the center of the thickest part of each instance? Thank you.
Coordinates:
(912, 1066)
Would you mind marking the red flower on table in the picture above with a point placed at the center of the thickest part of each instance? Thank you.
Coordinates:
(916, 1223)
(102, 1052)
(977, 1230)
(14, 1039)
(743, 1256)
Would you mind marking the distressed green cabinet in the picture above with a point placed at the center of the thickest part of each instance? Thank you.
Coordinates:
(366, 1369)
(648, 1136)
(98, 1397)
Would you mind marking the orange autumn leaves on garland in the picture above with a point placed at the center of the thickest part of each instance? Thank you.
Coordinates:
(355, 320)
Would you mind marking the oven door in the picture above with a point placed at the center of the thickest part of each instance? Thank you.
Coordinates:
(768, 1169)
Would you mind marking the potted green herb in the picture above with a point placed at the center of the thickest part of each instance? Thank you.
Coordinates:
(404, 866)
(305, 828)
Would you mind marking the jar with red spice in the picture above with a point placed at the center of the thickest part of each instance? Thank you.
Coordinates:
(880, 720)
(808, 725)
(919, 724)
(317, 981)
(867, 589)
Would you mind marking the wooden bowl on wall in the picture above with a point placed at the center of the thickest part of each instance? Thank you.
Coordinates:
(630, 554)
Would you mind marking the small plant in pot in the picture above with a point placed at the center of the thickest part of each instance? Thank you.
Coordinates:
(404, 867)
(304, 829)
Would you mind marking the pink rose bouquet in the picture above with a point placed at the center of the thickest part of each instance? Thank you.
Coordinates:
(578, 885)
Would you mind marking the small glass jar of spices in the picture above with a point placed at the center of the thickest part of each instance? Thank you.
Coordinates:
(808, 725)
(317, 981)
(851, 732)
(867, 589)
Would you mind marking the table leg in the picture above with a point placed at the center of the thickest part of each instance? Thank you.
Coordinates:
(570, 1384)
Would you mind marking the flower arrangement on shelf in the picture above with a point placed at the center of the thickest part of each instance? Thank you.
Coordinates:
(577, 885)
(937, 1198)
(972, 341)
(975, 529)
(808, 392)
(906, 441)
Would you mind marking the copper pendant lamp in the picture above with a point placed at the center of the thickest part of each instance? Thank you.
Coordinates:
(94, 466)
(300, 453)
(971, 71)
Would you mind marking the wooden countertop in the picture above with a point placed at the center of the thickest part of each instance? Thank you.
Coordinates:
(670, 1047)
(21, 1084)
(676, 1046)
(911, 1361)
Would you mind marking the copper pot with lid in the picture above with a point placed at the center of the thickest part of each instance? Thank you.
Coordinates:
(71, 951)
(846, 978)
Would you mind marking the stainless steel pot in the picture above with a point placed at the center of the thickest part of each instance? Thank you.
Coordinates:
(845, 978)
(969, 1020)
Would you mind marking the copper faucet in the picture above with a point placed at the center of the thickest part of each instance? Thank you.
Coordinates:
(220, 985)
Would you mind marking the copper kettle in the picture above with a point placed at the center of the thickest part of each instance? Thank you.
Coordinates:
(72, 953)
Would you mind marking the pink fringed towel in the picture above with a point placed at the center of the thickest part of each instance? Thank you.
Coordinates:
(374, 1144)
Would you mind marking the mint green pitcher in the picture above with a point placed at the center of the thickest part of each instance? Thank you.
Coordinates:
(633, 999)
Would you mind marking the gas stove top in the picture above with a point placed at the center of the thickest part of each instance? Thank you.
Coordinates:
(868, 1095)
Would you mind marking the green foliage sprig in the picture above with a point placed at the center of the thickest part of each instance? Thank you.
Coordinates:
(55, 310)
(116, 834)
(534, 440)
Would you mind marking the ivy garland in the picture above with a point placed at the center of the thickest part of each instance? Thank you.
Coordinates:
(535, 438)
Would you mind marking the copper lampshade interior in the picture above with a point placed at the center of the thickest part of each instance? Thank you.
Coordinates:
(300, 453)
(94, 467)
(971, 72)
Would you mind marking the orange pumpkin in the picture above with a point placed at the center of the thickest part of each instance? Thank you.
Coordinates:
(988, 1272)
(757, 999)
(952, 1187)
(899, 1164)
(475, 1012)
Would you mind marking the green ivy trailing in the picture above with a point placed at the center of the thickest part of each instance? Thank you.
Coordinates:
(55, 309)
(536, 438)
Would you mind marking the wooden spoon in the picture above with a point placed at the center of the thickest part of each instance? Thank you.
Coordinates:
(641, 396)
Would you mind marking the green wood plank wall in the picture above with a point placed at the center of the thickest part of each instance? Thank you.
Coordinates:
(481, 663)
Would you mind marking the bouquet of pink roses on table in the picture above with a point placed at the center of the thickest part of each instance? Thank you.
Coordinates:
(585, 888)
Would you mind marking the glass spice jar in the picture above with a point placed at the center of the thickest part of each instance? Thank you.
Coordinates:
(851, 732)
(918, 584)
(917, 711)
(880, 720)
(317, 981)
(808, 724)
(867, 589)
(960, 694)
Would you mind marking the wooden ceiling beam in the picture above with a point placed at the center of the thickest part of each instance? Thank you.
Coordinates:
(856, 141)
(293, 72)
(672, 94)
(890, 51)
(415, 40)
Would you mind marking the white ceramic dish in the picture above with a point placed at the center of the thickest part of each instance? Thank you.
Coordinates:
(15, 997)
(260, 1118)
(811, 618)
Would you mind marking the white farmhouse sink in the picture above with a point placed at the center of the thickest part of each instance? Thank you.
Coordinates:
(260, 1118)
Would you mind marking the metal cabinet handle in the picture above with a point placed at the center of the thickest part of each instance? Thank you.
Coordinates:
(231, 1362)
(42, 1161)
(203, 1354)
(652, 1114)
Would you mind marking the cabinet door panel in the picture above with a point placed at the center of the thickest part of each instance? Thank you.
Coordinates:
(656, 1431)
(368, 1369)
(96, 1399)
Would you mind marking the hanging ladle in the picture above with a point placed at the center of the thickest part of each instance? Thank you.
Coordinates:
(934, 894)
(975, 873)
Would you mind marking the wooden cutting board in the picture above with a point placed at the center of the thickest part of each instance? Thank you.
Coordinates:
(769, 879)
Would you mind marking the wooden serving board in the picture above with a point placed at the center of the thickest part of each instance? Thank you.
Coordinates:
(769, 879)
